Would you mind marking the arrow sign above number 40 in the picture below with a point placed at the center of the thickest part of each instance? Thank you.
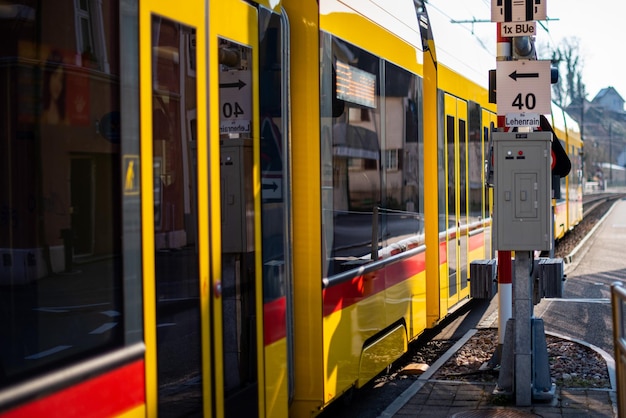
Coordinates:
(523, 86)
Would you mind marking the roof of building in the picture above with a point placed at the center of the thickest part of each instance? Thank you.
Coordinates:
(605, 92)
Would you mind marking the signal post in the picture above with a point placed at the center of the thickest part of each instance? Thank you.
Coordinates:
(523, 198)
(505, 284)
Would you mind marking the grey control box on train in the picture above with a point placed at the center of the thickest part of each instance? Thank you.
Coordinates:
(237, 196)
(522, 191)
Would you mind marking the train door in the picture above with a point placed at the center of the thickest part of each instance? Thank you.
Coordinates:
(475, 183)
(248, 141)
(174, 208)
(489, 119)
(216, 276)
(456, 199)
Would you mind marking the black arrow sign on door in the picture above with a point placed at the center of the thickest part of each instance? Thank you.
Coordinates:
(514, 75)
(238, 84)
(272, 186)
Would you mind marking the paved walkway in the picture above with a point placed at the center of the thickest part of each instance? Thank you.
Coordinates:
(436, 398)
(454, 399)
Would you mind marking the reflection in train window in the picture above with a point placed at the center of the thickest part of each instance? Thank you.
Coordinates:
(371, 156)
(475, 162)
(177, 281)
(60, 232)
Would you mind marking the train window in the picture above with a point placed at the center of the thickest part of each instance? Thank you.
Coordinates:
(484, 165)
(452, 199)
(273, 158)
(275, 165)
(403, 179)
(461, 267)
(370, 183)
(238, 247)
(441, 163)
(351, 153)
(474, 163)
(174, 162)
(462, 172)
(61, 264)
(451, 187)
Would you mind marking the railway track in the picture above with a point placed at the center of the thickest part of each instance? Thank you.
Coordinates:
(592, 201)
(594, 208)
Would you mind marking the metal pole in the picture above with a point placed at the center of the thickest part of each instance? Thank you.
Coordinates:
(374, 252)
(618, 297)
(505, 284)
(610, 154)
(523, 314)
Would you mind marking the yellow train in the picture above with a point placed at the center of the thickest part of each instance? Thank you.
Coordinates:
(231, 208)
(568, 207)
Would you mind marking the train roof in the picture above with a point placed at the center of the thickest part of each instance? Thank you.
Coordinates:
(397, 16)
(562, 121)
(466, 48)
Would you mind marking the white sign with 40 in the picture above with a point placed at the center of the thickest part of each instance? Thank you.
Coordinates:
(523, 86)
(235, 101)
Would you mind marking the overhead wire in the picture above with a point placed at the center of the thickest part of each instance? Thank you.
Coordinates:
(471, 31)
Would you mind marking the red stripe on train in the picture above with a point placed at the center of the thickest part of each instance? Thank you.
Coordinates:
(476, 241)
(275, 320)
(343, 295)
(443, 253)
(103, 396)
(560, 207)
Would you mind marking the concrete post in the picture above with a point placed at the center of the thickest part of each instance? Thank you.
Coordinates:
(523, 304)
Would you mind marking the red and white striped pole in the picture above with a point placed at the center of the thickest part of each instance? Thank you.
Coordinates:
(505, 270)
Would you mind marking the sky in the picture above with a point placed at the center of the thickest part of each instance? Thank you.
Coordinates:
(601, 31)
(599, 28)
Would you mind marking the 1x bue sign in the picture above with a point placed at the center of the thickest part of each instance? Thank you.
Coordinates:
(510, 29)
(523, 86)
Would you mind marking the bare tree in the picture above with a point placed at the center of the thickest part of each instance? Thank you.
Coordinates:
(568, 59)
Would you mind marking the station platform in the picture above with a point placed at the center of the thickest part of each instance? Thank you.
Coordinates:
(597, 262)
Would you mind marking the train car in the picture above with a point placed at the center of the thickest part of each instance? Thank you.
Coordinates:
(230, 208)
(137, 276)
(402, 202)
(568, 207)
